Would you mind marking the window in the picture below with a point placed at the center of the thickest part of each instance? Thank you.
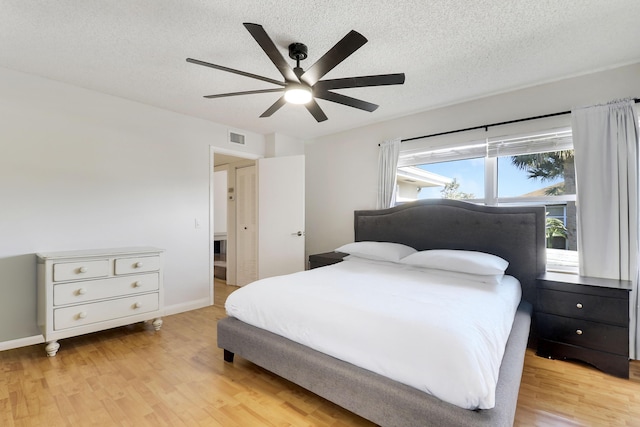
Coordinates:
(514, 170)
(535, 175)
(465, 180)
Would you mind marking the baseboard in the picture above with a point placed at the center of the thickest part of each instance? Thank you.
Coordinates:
(21, 342)
(187, 306)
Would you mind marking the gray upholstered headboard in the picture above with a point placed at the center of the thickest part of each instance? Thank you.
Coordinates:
(516, 234)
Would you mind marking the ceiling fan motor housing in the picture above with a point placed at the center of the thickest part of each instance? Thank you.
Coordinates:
(298, 51)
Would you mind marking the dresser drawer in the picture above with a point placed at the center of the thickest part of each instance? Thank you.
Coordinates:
(137, 265)
(584, 333)
(79, 315)
(79, 292)
(81, 270)
(589, 307)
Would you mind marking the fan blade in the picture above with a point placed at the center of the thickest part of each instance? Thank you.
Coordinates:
(265, 42)
(231, 70)
(247, 92)
(338, 53)
(362, 81)
(275, 107)
(346, 100)
(316, 111)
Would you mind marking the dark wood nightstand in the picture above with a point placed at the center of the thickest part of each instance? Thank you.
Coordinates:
(327, 258)
(584, 318)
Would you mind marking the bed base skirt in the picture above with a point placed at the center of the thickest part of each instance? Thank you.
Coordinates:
(370, 395)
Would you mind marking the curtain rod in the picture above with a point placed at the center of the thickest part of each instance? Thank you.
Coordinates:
(486, 127)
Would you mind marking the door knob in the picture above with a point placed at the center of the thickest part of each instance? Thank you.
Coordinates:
(299, 233)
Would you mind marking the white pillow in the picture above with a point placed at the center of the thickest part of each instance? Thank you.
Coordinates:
(379, 251)
(493, 279)
(470, 262)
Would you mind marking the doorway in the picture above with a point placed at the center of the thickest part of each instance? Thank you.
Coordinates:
(222, 215)
(278, 247)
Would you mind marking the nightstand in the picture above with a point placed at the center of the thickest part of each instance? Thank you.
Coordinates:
(584, 318)
(327, 258)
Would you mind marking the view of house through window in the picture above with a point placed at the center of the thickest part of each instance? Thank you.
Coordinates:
(539, 178)
(464, 180)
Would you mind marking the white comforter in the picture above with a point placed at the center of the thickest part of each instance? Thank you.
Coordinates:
(440, 335)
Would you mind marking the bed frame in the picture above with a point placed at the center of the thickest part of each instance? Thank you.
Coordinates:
(513, 233)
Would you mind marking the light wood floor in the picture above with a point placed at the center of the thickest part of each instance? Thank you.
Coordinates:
(133, 376)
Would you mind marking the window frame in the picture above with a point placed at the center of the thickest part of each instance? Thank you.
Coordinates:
(491, 190)
(490, 149)
(469, 150)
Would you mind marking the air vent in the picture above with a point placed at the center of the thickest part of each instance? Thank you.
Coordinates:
(236, 138)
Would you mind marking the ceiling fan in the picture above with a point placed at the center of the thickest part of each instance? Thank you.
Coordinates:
(303, 87)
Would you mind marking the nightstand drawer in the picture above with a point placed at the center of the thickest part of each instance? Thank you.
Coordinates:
(589, 307)
(584, 333)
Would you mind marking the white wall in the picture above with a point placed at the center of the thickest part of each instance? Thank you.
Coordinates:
(342, 168)
(82, 170)
(278, 145)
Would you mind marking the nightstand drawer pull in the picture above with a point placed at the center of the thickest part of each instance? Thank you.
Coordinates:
(579, 305)
(579, 331)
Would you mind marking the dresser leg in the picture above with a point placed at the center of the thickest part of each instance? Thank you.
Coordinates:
(157, 324)
(52, 348)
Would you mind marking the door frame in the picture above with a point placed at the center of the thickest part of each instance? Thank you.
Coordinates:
(212, 152)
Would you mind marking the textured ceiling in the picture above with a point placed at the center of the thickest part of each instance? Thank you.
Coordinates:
(450, 50)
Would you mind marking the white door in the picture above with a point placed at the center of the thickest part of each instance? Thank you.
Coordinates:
(281, 240)
(246, 226)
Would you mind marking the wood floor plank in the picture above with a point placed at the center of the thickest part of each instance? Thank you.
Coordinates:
(135, 376)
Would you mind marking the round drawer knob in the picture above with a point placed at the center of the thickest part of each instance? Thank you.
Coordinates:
(81, 291)
(82, 269)
(82, 315)
(138, 264)
(579, 331)
(137, 305)
(579, 305)
(136, 284)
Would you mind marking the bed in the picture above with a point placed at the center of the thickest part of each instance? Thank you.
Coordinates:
(515, 234)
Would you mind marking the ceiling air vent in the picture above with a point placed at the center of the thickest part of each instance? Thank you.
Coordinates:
(236, 138)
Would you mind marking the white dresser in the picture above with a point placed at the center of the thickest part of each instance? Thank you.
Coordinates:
(87, 291)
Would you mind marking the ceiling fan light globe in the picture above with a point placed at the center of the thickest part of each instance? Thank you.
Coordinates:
(298, 95)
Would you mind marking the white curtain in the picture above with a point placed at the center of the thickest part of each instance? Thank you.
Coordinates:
(387, 166)
(605, 139)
